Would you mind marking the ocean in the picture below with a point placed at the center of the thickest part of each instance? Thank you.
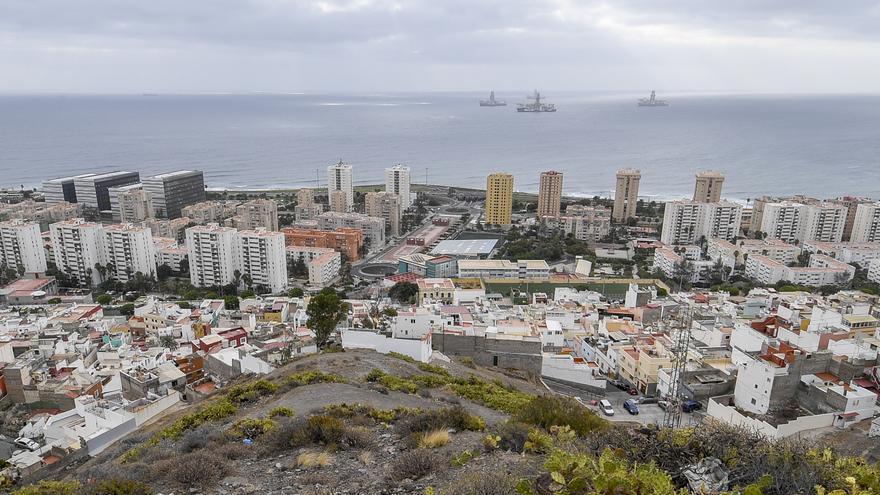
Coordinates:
(823, 146)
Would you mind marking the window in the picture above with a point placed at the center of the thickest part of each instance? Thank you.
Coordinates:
(754, 401)
(494, 360)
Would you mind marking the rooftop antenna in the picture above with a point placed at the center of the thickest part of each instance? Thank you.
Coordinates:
(672, 416)
(426, 176)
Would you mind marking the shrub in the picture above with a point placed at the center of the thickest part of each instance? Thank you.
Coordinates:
(402, 357)
(467, 361)
(49, 488)
(491, 442)
(494, 395)
(487, 482)
(251, 428)
(453, 417)
(513, 435)
(463, 458)
(318, 429)
(313, 376)
(313, 459)
(433, 439)
(198, 469)
(194, 439)
(431, 368)
(392, 382)
(549, 411)
(282, 437)
(240, 394)
(538, 442)
(281, 411)
(366, 458)
(119, 487)
(414, 464)
(233, 451)
(357, 437)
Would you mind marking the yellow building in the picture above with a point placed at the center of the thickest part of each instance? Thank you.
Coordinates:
(499, 199)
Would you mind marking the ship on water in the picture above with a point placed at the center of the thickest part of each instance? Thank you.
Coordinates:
(492, 102)
(652, 101)
(537, 106)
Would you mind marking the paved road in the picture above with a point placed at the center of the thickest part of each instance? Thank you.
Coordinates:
(648, 413)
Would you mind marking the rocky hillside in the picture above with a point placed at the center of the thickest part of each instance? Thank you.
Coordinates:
(359, 422)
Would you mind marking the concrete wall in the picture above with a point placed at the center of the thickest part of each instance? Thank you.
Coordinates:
(720, 410)
(578, 375)
(153, 409)
(419, 349)
(97, 444)
(508, 354)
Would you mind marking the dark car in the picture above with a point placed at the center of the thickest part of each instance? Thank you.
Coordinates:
(647, 400)
(620, 385)
(690, 406)
(631, 406)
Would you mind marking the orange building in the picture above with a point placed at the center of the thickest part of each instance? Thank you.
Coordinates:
(346, 241)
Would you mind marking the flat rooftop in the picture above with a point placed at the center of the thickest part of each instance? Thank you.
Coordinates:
(461, 247)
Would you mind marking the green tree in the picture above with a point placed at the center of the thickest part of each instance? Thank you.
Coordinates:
(404, 292)
(325, 312)
(231, 302)
(104, 299)
(127, 309)
(295, 292)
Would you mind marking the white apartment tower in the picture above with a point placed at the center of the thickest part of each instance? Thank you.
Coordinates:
(78, 246)
(824, 222)
(129, 249)
(866, 226)
(213, 256)
(21, 246)
(685, 222)
(263, 258)
(798, 223)
(397, 180)
(339, 178)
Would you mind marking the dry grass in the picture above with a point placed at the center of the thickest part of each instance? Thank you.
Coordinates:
(366, 457)
(434, 439)
(313, 459)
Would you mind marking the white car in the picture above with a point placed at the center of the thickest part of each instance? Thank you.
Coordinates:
(606, 408)
(27, 443)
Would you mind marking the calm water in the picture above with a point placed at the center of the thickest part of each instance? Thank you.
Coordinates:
(820, 145)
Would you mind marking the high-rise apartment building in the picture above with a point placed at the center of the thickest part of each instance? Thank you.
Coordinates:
(339, 178)
(852, 204)
(131, 203)
(21, 246)
(708, 186)
(385, 205)
(346, 241)
(397, 181)
(62, 189)
(549, 194)
(256, 214)
(626, 194)
(175, 190)
(499, 199)
(129, 249)
(686, 222)
(262, 258)
(78, 246)
(213, 256)
(797, 223)
(93, 191)
(866, 224)
(372, 227)
(305, 197)
(209, 211)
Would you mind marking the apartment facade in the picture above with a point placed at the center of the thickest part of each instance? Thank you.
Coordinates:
(397, 181)
(866, 223)
(794, 222)
(852, 204)
(213, 256)
(93, 191)
(77, 247)
(685, 222)
(324, 269)
(61, 189)
(626, 194)
(339, 178)
(522, 269)
(584, 223)
(373, 228)
(385, 205)
(499, 199)
(21, 246)
(129, 249)
(206, 212)
(707, 188)
(262, 257)
(549, 194)
(131, 203)
(173, 191)
(256, 214)
(346, 241)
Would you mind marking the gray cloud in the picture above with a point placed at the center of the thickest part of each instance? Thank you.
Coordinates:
(123, 45)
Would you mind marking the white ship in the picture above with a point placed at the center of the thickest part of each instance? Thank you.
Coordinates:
(537, 106)
(652, 101)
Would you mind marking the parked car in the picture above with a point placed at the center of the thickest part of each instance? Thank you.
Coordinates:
(633, 391)
(631, 407)
(27, 443)
(689, 406)
(606, 408)
(664, 404)
(620, 385)
(647, 400)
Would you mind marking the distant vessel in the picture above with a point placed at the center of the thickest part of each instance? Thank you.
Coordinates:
(492, 102)
(652, 101)
(537, 106)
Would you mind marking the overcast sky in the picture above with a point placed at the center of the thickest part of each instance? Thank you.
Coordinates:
(424, 45)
